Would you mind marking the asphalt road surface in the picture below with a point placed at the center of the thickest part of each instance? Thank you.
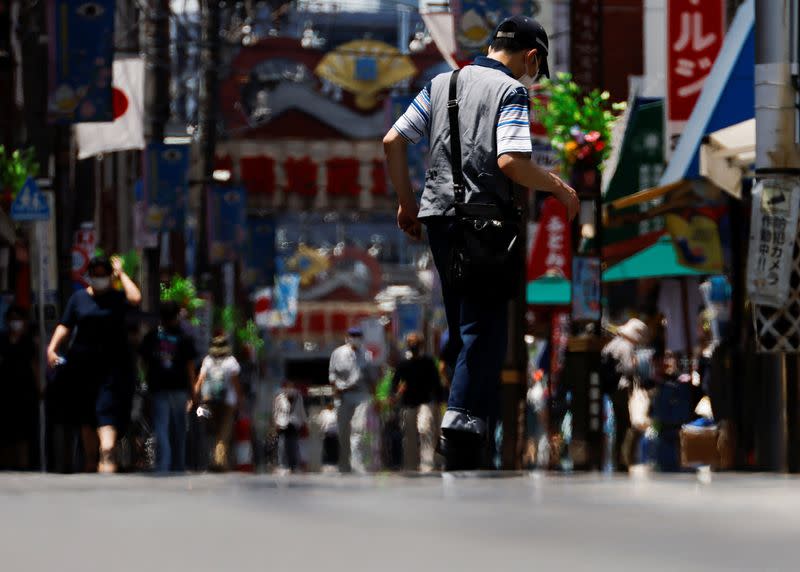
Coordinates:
(329, 522)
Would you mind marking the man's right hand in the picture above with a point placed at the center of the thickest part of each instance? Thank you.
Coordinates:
(567, 196)
(52, 358)
(408, 222)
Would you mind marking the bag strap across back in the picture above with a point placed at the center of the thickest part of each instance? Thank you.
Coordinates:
(459, 187)
(455, 140)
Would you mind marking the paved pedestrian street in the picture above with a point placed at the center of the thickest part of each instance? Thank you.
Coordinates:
(329, 522)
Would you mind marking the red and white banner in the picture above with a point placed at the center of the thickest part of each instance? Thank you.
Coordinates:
(552, 251)
(262, 302)
(695, 30)
(127, 129)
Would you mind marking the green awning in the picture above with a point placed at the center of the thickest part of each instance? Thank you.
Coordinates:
(657, 261)
(549, 291)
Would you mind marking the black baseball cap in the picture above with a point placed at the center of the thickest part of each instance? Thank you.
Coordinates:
(529, 34)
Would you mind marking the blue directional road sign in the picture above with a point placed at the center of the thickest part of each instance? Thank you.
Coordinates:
(30, 203)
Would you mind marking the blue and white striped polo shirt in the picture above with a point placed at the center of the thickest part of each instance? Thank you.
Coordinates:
(513, 120)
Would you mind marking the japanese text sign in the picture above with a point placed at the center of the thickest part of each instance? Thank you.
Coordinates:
(695, 29)
(586, 42)
(773, 231)
(552, 250)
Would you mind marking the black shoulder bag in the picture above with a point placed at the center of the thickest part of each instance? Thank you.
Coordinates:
(486, 237)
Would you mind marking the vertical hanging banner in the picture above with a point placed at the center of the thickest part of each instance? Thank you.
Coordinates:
(166, 186)
(476, 21)
(81, 46)
(227, 223)
(259, 260)
(773, 231)
(585, 288)
(284, 300)
(262, 307)
(559, 338)
(552, 252)
(695, 30)
(586, 43)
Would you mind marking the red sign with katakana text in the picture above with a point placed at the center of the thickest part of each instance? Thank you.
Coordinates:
(695, 31)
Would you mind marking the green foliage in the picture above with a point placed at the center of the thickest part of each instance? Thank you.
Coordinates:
(131, 262)
(383, 390)
(16, 167)
(568, 114)
(249, 335)
(228, 319)
(181, 291)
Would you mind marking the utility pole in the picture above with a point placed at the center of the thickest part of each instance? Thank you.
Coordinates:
(207, 124)
(7, 65)
(777, 156)
(514, 375)
(157, 99)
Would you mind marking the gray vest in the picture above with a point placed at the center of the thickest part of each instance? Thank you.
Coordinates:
(481, 90)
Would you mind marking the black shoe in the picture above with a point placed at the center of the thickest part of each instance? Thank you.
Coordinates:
(462, 451)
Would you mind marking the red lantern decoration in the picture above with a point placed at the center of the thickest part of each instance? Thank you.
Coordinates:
(258, 174)
(379, 187)
(343, 177)
(301, 176)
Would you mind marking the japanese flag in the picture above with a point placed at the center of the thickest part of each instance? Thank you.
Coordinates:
(127, 129)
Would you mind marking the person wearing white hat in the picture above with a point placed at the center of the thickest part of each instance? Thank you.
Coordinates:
(619, 378)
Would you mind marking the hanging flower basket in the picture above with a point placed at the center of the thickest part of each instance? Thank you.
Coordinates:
(578, 124)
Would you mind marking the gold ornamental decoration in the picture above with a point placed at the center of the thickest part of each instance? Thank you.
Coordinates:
(365, 68)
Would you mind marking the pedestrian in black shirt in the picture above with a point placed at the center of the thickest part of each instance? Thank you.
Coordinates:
(169, 357)
(19, 391)
(417, 386)
(99, 368)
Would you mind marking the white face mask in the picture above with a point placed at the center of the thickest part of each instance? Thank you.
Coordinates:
(100, 284)
(16, 326)
(528, 80)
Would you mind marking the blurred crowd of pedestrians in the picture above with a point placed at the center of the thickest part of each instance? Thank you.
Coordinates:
(118, 400)
(371, 418)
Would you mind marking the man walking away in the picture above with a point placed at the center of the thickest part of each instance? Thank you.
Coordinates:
(351, 378)
(290, 420)
(416, 386)
(169, 356)
(490, 148)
